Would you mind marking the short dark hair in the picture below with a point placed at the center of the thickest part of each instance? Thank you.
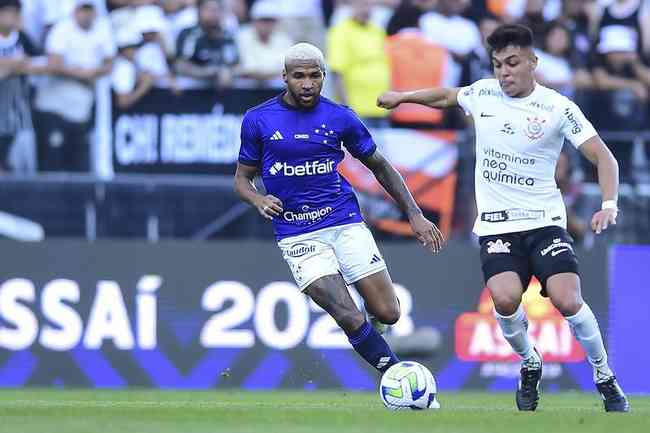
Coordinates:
(10, 4)
(510, 34)
(200, 3)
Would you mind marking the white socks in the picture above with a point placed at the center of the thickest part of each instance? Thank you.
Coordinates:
(515, 331)
(585, 328)
(583, 325)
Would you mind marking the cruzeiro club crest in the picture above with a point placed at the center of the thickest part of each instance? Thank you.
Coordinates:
(534, 129)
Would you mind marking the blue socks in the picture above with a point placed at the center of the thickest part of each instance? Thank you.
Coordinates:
(372, 347)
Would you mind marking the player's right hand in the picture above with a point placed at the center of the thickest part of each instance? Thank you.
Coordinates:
(427, 233)
(269, 206)
(389, 100)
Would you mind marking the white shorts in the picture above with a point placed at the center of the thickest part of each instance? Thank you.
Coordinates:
(349, 250)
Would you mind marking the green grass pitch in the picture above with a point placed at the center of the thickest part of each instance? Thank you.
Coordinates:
(105, 411)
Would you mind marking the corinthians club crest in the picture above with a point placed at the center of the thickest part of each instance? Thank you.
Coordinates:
(534, 129)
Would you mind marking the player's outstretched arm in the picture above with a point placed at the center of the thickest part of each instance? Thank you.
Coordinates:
(597, 152)
(268, 206)
(425, 231)
(438, 97)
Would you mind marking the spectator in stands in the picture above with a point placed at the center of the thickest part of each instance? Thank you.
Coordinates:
(207, 52)
(479, 63)
(358, 63)
(179, 15)
(529, 11)
(578, 17)
(634, 15)
(259, 44)
(407, 15)
(619, 71)
(380, 15)
(553, 68)
(129, 83)
(445, 26)
(303, 20)
(123, 14)
(80, 50)
(152, 57)
(40, 15)
(17, 60)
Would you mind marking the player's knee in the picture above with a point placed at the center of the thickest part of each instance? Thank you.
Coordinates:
(505, 305)
(389, 314)
(568, 305)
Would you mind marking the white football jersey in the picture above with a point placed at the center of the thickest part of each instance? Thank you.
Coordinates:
(518, 142)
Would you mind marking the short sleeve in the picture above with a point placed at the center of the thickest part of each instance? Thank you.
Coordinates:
(575, 126)
(250, 152)
(356, 137)
(57, 41)
(336, 49)
(184, 50)
(123, 78)
(466, 97)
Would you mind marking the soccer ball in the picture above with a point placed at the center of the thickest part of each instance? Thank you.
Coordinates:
(408, 385)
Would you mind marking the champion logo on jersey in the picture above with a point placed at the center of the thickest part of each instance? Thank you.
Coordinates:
(277, 136)
(375, 259)
(498, 246)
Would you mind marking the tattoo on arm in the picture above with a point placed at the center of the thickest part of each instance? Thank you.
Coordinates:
(392, 182)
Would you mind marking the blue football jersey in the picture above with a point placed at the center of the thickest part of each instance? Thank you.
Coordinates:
(298, 152)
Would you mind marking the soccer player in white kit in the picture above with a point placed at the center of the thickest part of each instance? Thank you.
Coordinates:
(520, 129)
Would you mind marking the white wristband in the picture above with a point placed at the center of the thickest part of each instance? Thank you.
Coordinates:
(609, 204)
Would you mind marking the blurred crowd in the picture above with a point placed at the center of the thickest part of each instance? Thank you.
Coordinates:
(53, 55)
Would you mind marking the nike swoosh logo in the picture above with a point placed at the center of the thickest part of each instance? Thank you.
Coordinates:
(555, 253)
(487, 115)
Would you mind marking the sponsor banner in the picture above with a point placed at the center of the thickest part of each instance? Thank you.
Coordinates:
(479, 337)
(196, 131)
(629, 305)
(227, 314)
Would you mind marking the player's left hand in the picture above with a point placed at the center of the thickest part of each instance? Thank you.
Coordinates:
(602, 219)
(427, 233)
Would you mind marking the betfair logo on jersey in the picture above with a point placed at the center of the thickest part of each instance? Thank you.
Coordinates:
(309, 168)
(576, 125)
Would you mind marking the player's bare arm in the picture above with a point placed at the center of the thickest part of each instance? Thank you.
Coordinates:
(597, 152)
(438, 97)
(268, 205)
(425, 231)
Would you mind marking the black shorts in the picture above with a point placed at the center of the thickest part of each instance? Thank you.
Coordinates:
(540, 252)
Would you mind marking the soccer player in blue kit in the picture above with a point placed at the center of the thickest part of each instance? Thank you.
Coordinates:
(294, 141)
